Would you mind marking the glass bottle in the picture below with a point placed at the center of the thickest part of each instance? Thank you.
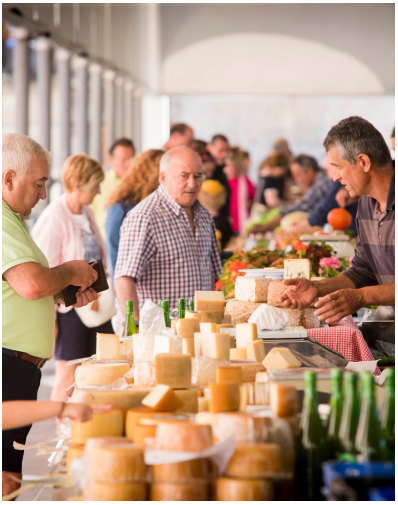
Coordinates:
(387, 415)
(311, 445)
(191, 305)
(370, 443)
(129, 324)
(181, 308)
(165, 305)
(350, 415)
(336, 409)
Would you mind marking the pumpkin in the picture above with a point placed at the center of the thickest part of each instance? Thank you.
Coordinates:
(339, 219)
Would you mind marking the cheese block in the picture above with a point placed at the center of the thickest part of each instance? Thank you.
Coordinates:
(275, 291)
(281, 358)
(187, 327)
(223, 325)
(162, 399)
(97, 442)
(238, 353)
(227, 319)
(183, 437)
(174, 370)
(74, 451)
(255, 461)
(197, 338)
(310, 320)
(188, 346)
(108, 491)
(100, 373)
(284, 400)
(215, 345)
(186, 470)
(294, 317)
(210, 316)
(210, 300)
(229, 374)
(240, 312)
(118, 463)
(224, 397)
(204, 404)
(190, 314)
(251, 289)
(143, 431)
(135, 416)
(102, 424)
(256, 351)
(179, 491)
(245, 333)
(144, 374)
(208, 327)
(297, 268)
(244, 490)
(108, 347)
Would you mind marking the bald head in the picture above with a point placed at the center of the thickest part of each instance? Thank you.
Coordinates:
(179, 155)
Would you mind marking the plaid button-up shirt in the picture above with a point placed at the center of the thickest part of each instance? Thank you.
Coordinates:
(159, 250)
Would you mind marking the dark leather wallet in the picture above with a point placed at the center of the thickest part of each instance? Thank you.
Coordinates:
(101, 284)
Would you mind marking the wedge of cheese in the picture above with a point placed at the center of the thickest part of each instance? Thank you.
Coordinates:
(163, 399)
(188, 346)
(108, 347)
(210, 300)
(252, 289)
(297, 268)
(281, 358)
(256, 350)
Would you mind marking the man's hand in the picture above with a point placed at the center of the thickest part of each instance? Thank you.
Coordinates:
(344, 199)
(300, 295)
(259, 228)
(83, 275)
(80, 412)
(85, 297)
(342, 303)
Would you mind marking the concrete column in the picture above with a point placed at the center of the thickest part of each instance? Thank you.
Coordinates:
(81, 66)
(119, 107)
(109, 107)
(43, 47)
(128, 109)
(21, 79)
(137, 119)
(153, 46)
(64, 76)
(96, 112)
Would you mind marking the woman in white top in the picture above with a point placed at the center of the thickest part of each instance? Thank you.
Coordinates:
(66, 231)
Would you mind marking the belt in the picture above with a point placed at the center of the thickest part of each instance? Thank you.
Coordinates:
(39, 362)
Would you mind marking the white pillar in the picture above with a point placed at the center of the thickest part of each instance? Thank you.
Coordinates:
(137, 119)
(96, 112)
(43, 47)
(81, 66)
(64, 75)
(21, 79)
(128, 110)
(119, 107)
(153, 46)
(109, 106)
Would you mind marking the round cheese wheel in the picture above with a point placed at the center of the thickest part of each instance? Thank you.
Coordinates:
(183, 437)
(106, 491)
(141, 432)
(185, 470)
(179, 491)
(310, 320)
(275, 291)
(74, 451)
(244, 490)
(255, 460)
(102, 424)
(118, 463)
(295, 317)
(135, 415)
(95, 443)
(100, 373)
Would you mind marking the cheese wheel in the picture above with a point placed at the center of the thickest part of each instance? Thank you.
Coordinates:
(228, 374)
(95, 443)
(134, 417)
(102, 424)
(186, 470)
(188, 346)
(144, 375)
(294, 317)
(74, 451)
(108, 347)
(210, 300)
(174, 370)
(275, 291)
(245, 333)
(244, 490)
(162, 399)
(100, 373)
(187, 327)
(118, 463)
(251, 289)
(141, 432)
(224, 397)
(281, 358)
(179, 491)
(240, 312)
(255, 461)
(183, 437)
(106, 491)
(284, 400)
(203, 404)
(256, 351)
(238, 353)
(210, 316)
(310, 320)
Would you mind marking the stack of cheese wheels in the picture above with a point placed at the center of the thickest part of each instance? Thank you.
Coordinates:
(187, 480)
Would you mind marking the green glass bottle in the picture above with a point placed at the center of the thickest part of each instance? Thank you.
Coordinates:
(311, 445)
(191, 305)
(181, 308)
(129, 324)
(165, 305)
(336, 409)
(387, 415)
(370, 443)
(349, 416)
(160, 303)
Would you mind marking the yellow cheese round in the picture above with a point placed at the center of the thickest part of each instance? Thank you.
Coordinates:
(118, 463)
(141, 432)
(74, 451)
(178, 491)
(95, 443)
(183, 437)
(186, 470)
(102, 424)
(100, 373)
(224, 397)
(105, 491)
(255, 461)
(244, 490)
(134, 417)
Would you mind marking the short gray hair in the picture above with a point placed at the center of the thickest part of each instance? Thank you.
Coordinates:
(354, 136)
(19, 151)
(168, 156)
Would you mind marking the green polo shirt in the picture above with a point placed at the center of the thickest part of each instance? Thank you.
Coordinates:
(28, 325)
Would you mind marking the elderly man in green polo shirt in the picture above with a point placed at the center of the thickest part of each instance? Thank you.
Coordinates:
(30, 288)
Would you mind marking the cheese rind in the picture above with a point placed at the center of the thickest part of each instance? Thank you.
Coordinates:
(224, 397)
(187, 437)
(97, 442)
(215, 345)
(100, 373)
(174, 370)
(141, 432)
(238, 353)
(102, 424)
(187, 327)
(281, 358)
(310, 320)
(208, 327)
(294, 268)
(162, 399)
(179, 491)
(240, 312)
(275, 291)
(228, 489)
(108, 346)
(295, 317)
(284, 400)
(107, 491)
(228, 374)
(245, 333)
(255, 350)
(210, 300)
(251, 289)
(210, 316)
(255, 461)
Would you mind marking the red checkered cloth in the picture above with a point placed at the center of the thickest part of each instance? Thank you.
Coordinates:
(345, 339)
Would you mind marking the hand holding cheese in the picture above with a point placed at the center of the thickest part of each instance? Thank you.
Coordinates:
(281, 358)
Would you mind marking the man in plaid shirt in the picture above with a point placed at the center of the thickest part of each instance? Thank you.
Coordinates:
(168, 246)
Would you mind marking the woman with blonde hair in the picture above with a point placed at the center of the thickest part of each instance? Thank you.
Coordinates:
(140, 180)
(66, 231)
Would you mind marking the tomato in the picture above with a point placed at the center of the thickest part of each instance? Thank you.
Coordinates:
(339, 219)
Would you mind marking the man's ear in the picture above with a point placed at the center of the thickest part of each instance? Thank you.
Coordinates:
(364, 162)
(8, 179)
(162, 178)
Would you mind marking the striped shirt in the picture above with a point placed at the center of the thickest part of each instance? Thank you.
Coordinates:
(374, 260)
(159, 250)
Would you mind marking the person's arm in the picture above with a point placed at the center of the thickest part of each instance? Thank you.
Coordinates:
(113, 223)
(262, 228)
(126, 290)
(16, 414)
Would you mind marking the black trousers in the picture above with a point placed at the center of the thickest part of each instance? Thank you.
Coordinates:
(21, 381)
